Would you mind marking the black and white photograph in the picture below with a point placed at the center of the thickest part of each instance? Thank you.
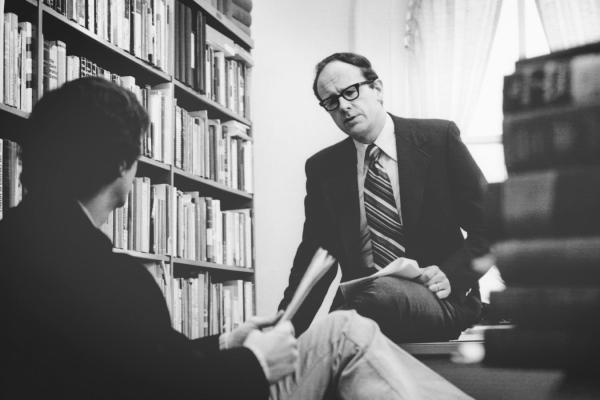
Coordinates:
(300, 200)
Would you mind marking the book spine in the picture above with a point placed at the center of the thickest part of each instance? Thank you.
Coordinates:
(555, 202)
(554, 139)
(552, 261)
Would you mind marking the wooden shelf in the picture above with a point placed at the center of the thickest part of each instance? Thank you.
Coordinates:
(212, 266)
(100, 51)
(141, 255)
(225, 22)
(195, 100)
(178, 172)
(14, 111)
(549, 111)
(212, 184)
(156, 164)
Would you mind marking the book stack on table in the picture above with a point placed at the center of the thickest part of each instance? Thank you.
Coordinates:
(545, 218)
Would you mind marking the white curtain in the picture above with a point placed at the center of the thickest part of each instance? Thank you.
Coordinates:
(569, 23)
(448, 44)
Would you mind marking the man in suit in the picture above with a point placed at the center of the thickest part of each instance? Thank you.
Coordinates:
(394, 188)
(83, 322)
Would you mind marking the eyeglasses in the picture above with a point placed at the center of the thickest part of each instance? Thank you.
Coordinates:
(350, 93)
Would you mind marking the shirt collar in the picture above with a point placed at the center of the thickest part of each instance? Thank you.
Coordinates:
(386, 141)
(86, 212)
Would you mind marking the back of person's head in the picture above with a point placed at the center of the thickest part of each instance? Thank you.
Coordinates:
(78, 137)
(349, 58)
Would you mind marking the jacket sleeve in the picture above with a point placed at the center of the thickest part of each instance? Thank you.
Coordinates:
(186, 368)
(468, 189)
(313, 237)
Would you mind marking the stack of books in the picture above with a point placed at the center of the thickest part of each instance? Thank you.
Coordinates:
(17, 45)
(239, 11)
(201, 303)
(140, 27)
(545, 218)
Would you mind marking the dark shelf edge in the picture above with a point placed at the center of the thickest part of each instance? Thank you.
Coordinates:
(14, 111)
(158, 164)
(142, 255)
(213, 266)
(213, 184)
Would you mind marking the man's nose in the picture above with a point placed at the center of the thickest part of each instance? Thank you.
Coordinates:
(344, 104)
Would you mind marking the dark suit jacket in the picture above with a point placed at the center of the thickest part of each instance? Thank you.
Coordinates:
(82, 322)
(441, 191)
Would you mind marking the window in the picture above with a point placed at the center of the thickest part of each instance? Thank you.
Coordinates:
(484, 134)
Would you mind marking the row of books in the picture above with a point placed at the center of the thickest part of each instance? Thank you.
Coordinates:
(208, 61)
(11, 191)
(162, 220)
(200, 306)
(209, 148)
(60, 67)
(17, 87)
(205, 232)
(545, 219)
(213, 64)
(140, 27)
(561, 81)
(190, 46)
(226, 72)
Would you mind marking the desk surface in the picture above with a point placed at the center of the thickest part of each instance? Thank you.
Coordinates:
(487, 383)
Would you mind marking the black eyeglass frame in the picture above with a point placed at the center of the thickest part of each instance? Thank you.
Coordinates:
(336, 97)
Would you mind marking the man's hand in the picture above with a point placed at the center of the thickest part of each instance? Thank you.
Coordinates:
(279, 348)
(236, 337)
(436, 281)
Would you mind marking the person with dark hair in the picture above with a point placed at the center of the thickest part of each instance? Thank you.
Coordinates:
(81, 322)
(396, 187)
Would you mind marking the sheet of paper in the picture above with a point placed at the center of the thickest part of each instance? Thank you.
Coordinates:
(402, 267)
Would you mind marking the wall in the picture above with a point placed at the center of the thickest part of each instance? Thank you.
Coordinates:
(290, 38)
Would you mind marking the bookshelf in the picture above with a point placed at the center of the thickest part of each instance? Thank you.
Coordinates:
(186, 164)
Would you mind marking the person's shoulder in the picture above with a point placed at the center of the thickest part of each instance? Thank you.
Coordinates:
(426, 130)
(18, 221)
(330, 155)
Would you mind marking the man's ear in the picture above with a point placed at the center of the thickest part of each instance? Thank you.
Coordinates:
(378, 86)
(123, 168)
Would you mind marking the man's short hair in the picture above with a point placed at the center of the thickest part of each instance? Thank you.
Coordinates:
(78, 136)
(349, 58)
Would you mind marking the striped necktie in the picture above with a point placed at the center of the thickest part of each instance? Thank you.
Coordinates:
(382, 215)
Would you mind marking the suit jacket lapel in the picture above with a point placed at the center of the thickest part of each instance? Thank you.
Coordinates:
(343, 188)
(413, 162)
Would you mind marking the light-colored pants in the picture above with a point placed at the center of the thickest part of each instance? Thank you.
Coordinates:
(345, 356)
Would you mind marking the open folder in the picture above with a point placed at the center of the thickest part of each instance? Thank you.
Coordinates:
(321, 262)
(405, 268)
